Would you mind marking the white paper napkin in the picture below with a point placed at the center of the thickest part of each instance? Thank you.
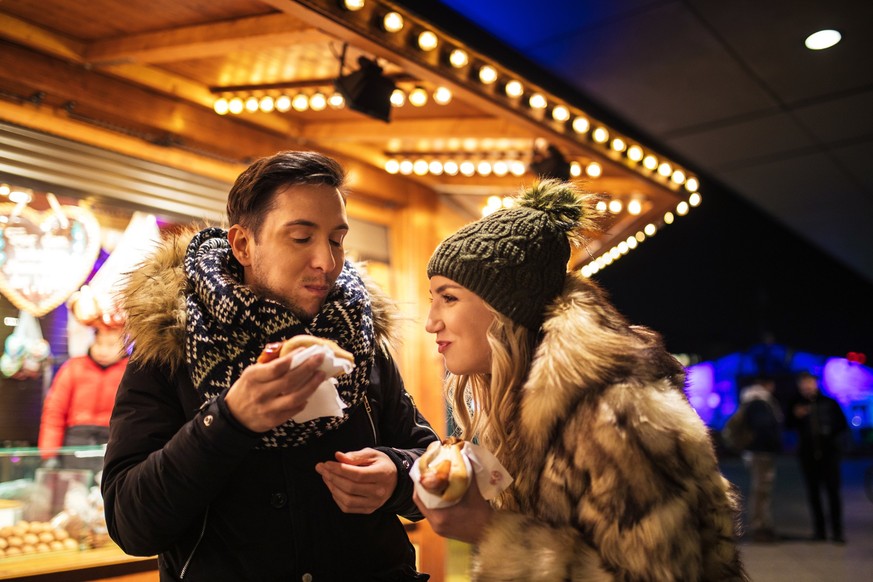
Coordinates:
(325, 401)
(491, 476)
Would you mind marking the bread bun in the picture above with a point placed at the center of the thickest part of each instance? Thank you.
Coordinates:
(443, 471)
(276, 350)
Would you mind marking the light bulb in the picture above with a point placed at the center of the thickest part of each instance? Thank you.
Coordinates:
(236, 105)
(635, 153)
(392, 166)
(398, 98)
(537, 101)
(353, 5)
(300, 102)
(678, 176)
(650, 162)
(317, 102)
(450, 168)
(560, 113)
(487, 74)
(594, 170)
(695, 199)
(618, 144)
(483, 168)
(575, 169)
(405, 167)
(220, 106)
(442, 95)
(668, 217)
(615, 205)
(600, 135)
(467, 168)
(514, 89)
(267, 104)
(650, 229)
(822, 39)
(691, 184)
(581, 125)
(427, 41)
(420, 167)
(634, 207)
(252, 104)
(392, 22)
(682, 208)
(418, 97)
(283, 103)
(500, 168)
(664, 169)
(435, 167)
(458, 58)
(517, 168)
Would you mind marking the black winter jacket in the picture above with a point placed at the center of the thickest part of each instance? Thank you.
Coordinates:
(184, 481)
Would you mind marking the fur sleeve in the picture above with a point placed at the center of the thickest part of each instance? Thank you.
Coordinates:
(516, 547)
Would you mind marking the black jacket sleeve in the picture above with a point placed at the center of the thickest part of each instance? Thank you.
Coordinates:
(404, 434)
(166, 460)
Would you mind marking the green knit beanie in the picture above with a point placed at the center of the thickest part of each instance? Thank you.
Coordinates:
(516, 258)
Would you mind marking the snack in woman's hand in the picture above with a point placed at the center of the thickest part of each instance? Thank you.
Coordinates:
(278, 349)
(443, 471)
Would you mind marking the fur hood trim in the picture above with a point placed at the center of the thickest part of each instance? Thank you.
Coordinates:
(154, 300)
(587, 347)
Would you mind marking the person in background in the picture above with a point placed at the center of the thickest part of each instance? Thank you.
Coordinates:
(79, 402)
(823, 430)
(615, 474)
(764, 417)
(204, 465)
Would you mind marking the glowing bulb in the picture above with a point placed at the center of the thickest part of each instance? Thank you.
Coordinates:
(560, 113)
(682, 208)
(353, 5)
(427, 41)
(487, 74)
(650, 162)
(691, 184)
(336, 101)
(635, 153)
(600, 135)
(484, 168)
(283, 103)
(406, 167)
(392, 166)
(695, 199)
(495, 202)
(459, 58)
(252, 104)
(650, 229)
(668, 217)
(514, 89)
(618, 144)
(420, 167)
(300, 102)
(622, 247)
(450, 168)
(267, 104)
(398, 98)
(442, 95)
(615, 206)
(575, 169)
(640, 236)
(220, 106)
(634, 207)
(236, 106)
(664, 169)
(586, 271)
(822, 39)
(467, 168)
(317, 102)
(600, 206)
(435, 167)
(631, 242)
(392, 22)
(594, 170)
(508, 201)
(581, 125)
(537, 101)
(614, 253)
(500, 168)
(418, 97)
(517, 168)
(678, 176)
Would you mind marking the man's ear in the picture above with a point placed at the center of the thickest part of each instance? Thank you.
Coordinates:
(240, 241)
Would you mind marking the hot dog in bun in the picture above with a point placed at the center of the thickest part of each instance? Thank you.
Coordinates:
(443, 471)
(278, 349)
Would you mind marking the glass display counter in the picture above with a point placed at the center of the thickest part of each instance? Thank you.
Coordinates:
(51, 518)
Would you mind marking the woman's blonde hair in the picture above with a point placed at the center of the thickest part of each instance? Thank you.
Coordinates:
(482, 404)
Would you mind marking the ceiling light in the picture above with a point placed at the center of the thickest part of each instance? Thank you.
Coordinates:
(236, 105)
(650, 229)
(822, 39)
(427, 41)
(435, 167)
(317, 102)
(398, 98)
(418, 97)
(283, 103)
(560, 113)
(692, 184)
(392, 166)
(450, 167)
(467, 168)
(252, 104)
(634, 207)
(484, 168)
(581, 125)
(594, 170)
(664, 169)
(668, 217)
(635, 153)
(678, 176)
(392, 22)
(487, 74)
(650, 162)
(458, 58)
(694, 199)
(600, 135)
(220, 106)
(682, 208)
(406, 167)
(353, 5)
(267, 104)
(442, 95)
(367, 90)
(517, 168)
(575, 169)
(537, 101)
(500, 168)
(615, 205)
(336, 101)
(600, 206)
(420, 167)
(618, 144)
(514, 89)
(300, 102)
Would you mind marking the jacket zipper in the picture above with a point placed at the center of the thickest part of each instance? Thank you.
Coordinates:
(415, 416)
(370, 416)
(194, 549)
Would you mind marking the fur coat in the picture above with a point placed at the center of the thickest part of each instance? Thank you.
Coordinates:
(616, 475)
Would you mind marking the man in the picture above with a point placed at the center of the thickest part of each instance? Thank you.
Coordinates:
(822, 428)
(763, 416)
(204, 465)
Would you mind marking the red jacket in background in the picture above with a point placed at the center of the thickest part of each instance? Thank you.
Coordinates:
(82, 393)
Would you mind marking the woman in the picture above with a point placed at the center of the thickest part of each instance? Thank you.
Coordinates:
(615, 474)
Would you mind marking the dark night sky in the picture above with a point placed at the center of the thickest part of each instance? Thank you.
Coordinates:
(720, 278)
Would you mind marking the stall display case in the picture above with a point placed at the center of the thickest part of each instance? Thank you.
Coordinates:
(52, 526)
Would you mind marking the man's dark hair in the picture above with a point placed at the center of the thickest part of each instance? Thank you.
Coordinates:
(806, 374)
(254, 192)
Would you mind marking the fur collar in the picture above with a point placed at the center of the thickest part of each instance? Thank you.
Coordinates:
(587, 347)
(154, 301)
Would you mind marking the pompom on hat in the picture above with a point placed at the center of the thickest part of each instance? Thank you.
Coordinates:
(516, 258)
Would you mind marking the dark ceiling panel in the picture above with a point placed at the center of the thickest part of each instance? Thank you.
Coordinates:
(841, 118)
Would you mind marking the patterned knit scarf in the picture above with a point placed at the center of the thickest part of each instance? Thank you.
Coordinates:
(228, 326)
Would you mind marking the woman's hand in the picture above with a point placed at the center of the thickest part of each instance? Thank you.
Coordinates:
(465, 521)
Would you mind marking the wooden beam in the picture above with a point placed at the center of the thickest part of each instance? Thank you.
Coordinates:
(377, 131)
(204, 40)
(25, 33)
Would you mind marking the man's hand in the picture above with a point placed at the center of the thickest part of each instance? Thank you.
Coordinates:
(360, 481)
(266, 395)
(465, 521)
